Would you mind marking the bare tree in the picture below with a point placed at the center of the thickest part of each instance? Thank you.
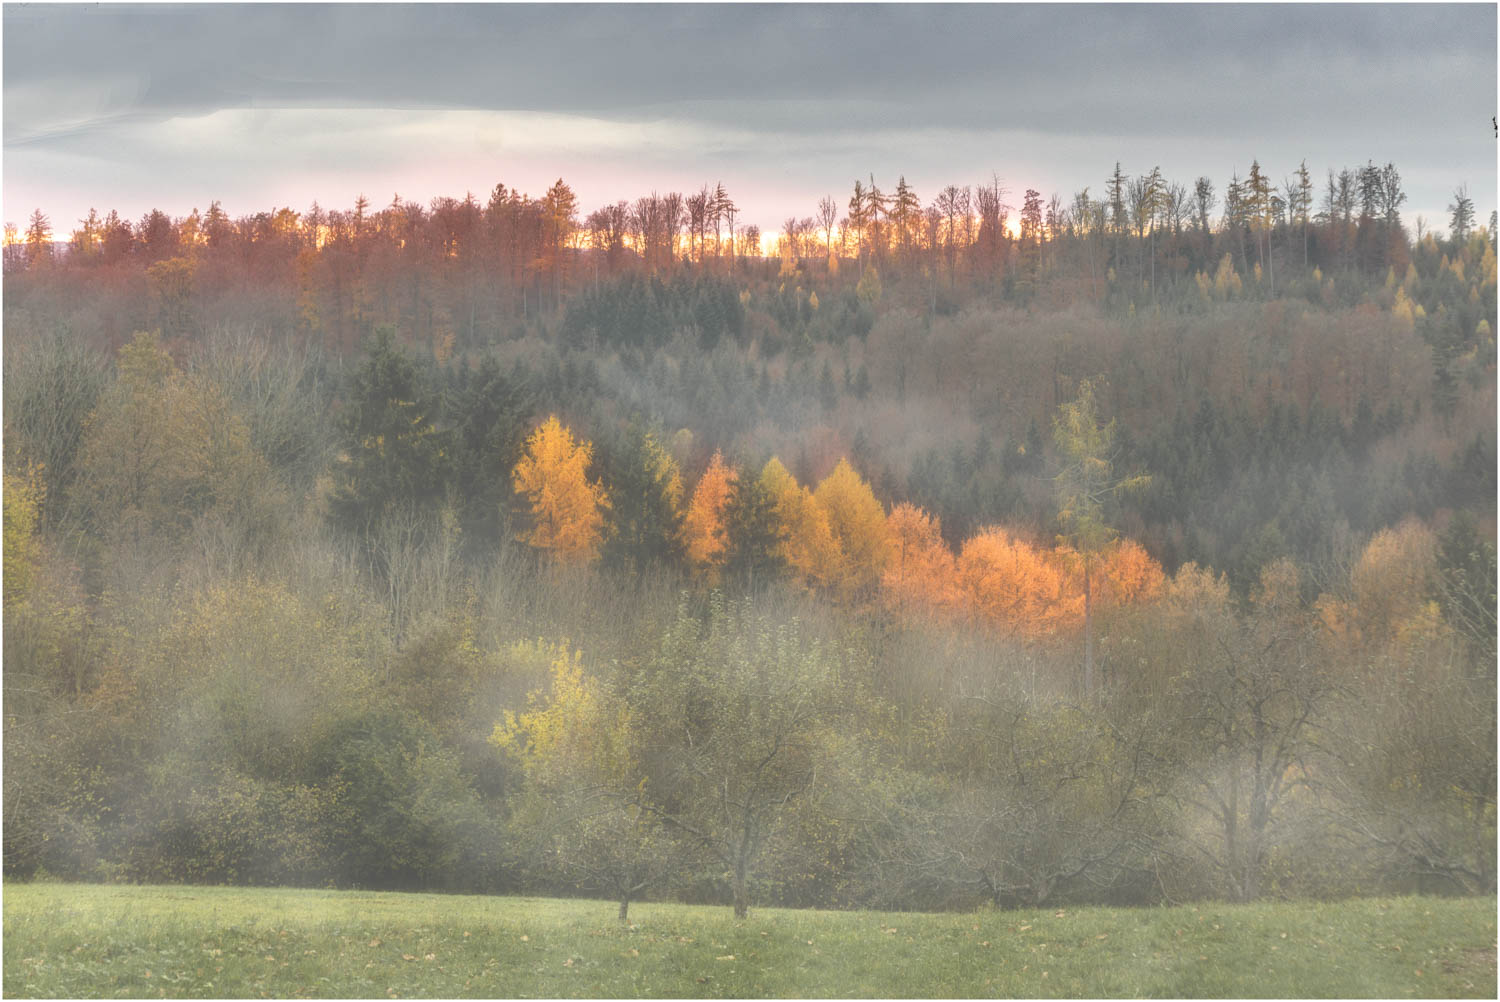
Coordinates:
(828, 215)
(1250, 709)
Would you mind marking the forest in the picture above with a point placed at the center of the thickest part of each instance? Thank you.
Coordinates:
(1130, 548)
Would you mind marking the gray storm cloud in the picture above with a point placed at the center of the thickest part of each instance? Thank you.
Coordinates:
(89, 85)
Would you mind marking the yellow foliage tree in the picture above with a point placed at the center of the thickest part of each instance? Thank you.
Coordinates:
(1194, 592)
(808, 546)
(569, 732)
(703, 528)
(567, 508)
(578, 745)
(1389, 582)
(858, 523)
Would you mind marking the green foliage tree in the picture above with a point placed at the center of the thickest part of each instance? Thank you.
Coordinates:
(163, 451)
(646, 514)
(408, 818)
(1464, 586)
(490, 413)
(739, 701)
(394, 455)
(754, 536)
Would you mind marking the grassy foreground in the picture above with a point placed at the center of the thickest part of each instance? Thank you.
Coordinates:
(112, 941)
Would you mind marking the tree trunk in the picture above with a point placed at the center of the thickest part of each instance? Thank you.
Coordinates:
(624, 906)
(741, 902)
(1088, 631)
(1271, 259)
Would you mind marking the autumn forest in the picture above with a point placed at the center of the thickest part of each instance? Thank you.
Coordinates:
(938, 549)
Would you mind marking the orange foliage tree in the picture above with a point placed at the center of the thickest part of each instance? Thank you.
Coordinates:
(567, 508)
(1008, 583)
(703, 529)
(1128, 574)
(858, 523)
(921, 574)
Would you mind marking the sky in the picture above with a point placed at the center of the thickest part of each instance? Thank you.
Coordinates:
(133, 108)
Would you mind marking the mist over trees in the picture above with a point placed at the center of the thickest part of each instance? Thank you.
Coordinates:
(1137, 548)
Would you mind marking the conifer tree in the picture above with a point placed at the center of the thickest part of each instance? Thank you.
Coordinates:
(1085, 484)
(753, 534)
(567, 508)
(646, 516)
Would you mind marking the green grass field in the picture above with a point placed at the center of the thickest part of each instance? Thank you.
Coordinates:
(112, 941)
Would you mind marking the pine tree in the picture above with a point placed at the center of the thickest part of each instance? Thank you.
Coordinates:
(1460, 215)
(646, 517)
(754, 535)
(394, 454)
(490, 414)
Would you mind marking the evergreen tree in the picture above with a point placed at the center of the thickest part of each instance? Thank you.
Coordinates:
(393, 452)
(645, 503)
(1461, 215)
(490, 414)
(754, 535)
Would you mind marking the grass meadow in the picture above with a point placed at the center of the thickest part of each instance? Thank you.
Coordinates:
(69, 940)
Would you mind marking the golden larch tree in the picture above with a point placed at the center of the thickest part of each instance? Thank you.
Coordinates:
(1010, 584)
(808, 545)
(567, 508)
(922, 575)
(703, 528)
(858, 523)
(1389, 583)
(1128, 574)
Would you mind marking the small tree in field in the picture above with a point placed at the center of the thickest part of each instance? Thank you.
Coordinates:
(580, 753)
(1250, 697)
(738, 702)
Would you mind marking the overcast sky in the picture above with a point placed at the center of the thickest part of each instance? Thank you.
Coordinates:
(127, 107)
